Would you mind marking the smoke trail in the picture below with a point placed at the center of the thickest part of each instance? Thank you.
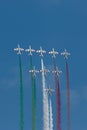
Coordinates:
(57, 98)
(34, 104)
(33, 97)
(51, 115)
(45, 101)
(46, 112)
(68, 95)
(21, 97)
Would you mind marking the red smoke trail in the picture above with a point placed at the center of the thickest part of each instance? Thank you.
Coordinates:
(68, 95)
(57, 98)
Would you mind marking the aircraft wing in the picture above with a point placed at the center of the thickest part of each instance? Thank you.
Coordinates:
(21, 49)
(16, 49)
(51, 52)
(63, 53)
(44, 51)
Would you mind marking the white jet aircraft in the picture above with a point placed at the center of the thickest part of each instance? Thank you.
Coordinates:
(49, 91)
(34, 71)
(41, 51)
(18, 49)
(57, 71)
(65, 54)
(44, 71)
(30, 50)
(53, 53)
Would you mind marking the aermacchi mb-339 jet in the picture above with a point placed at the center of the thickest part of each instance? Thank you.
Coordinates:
(44, 71)
(34, 71)
(49, 91)
(65, 54)
(57, 71)
(53, 53)
(30, 50)
(41, 51)
(18, 49)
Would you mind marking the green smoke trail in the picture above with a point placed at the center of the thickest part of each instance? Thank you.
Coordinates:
(33, 97)
(33, 103)
(21, 97)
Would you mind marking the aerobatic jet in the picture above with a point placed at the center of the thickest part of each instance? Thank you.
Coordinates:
(65, 54)
(57, 71)
(34, 71)
(41, 51)
(30, 50)
(49, 91)
(18, 49)
(44, 71)
(53, 53)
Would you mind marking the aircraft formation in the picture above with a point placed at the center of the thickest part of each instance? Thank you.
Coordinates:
(47, 91)
(41, 51)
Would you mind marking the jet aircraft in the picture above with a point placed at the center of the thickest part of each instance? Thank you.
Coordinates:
(18, 49)
(34, 71)
(41, 51)
(65, 54)
(53, 53)
(30, 50)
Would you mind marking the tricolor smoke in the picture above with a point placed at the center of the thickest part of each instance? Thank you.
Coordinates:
(21, 97)
(33, 97)
(47, 105)
(57, 97)
(45, 101)
(68, 95)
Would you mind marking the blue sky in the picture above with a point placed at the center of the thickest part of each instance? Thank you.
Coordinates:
(50, 23)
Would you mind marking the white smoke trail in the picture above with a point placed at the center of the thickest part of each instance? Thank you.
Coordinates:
(46, 112)
(45, 101)
(51, 115)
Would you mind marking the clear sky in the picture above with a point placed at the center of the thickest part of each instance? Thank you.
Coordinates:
(48, 23)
